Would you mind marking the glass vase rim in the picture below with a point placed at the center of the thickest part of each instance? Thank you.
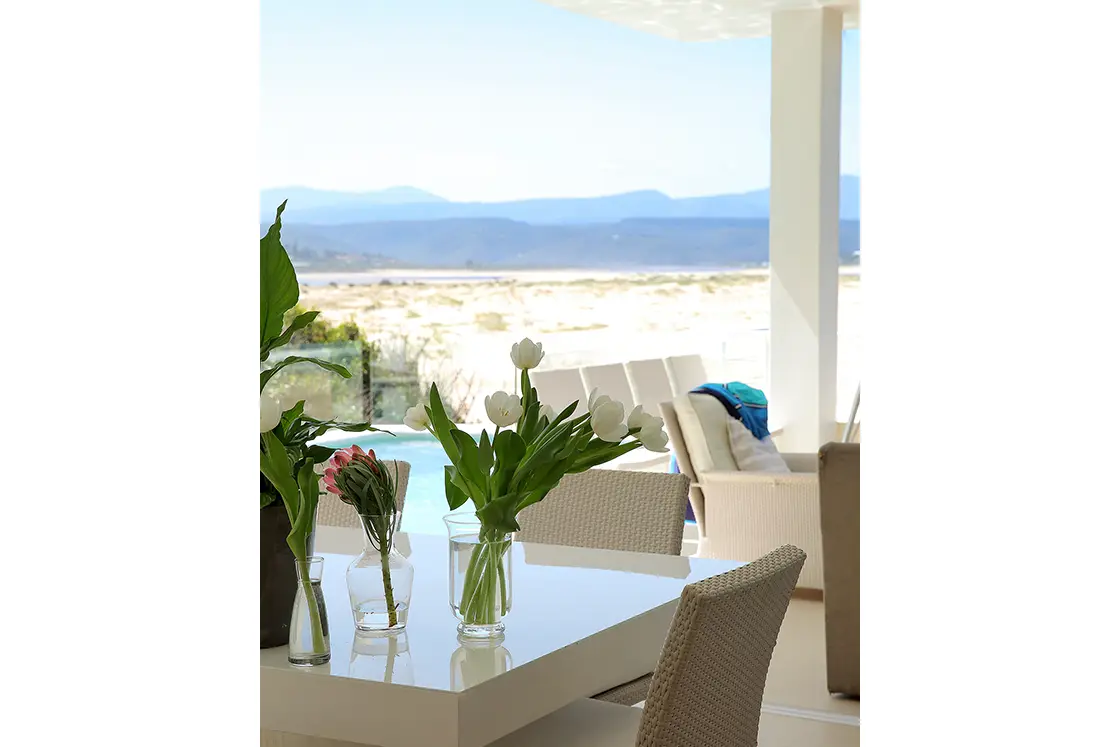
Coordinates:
(311, 560)
(462, 517)
(465, 523)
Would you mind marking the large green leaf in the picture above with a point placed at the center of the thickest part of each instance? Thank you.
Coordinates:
(455, 496)
(469, 465)
(320, 454)
(509, 449)
(501, 513)
(442, 425)
(279, 287)
(485, 453)
(297, 324)
(277, 467)
(268, 373)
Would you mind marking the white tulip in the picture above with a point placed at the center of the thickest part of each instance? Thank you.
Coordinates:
(640, 419)
(547, 414)
(526, 354)
(608, 421)
(595, 400)
(652, 436)
(503, 409)
(270, 413)
(416, 418)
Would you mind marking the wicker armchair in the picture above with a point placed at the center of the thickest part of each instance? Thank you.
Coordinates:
(332, 512)
(707, 688)
(740, 515)
(840, 534)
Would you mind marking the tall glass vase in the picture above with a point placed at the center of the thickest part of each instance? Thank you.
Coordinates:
(309, 641)
(380, 579)
(480, 576)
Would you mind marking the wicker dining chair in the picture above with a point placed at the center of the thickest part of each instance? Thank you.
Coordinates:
(612, 510)
(707, 687)
(332, 512)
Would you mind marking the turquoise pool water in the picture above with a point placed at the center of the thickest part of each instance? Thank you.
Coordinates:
(425, 506)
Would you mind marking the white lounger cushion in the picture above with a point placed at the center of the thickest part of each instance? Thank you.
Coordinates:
(751, 454)
(703, 423)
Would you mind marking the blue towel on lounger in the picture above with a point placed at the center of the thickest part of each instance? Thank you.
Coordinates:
(742, 402)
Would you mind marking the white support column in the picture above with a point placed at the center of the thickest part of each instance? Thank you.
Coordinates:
(804, 224)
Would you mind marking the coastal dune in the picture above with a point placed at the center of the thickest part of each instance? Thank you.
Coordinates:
(461, 324)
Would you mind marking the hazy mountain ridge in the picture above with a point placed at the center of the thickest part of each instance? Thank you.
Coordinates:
(495, 242)
(326, 208)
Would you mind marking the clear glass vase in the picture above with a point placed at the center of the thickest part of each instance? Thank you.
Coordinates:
(380, 579)
(309, 640)
(480, 576)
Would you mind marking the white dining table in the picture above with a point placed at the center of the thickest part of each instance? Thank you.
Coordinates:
(581, 621)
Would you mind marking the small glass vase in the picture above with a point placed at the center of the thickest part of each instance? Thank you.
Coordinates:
(480, 576)
(309, 641)
(380, 579)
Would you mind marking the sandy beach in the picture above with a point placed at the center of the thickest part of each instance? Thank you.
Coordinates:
(464, 322)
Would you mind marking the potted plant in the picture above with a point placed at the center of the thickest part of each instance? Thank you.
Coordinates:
(289, 481)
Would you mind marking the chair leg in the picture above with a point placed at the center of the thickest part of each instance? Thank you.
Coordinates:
(629, 694)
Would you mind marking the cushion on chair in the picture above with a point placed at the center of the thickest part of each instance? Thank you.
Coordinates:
(751, 454)
(703, 425)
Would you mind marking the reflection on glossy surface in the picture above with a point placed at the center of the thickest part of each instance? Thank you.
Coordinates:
(475, 662)
(564, 595)
(675, 566)
(381, 657)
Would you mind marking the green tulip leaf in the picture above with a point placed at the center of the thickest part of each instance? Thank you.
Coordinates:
(455, 496)
(268, 373)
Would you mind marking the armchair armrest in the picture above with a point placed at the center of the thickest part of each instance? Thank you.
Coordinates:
(802, 462)
(720, 478)
(746, 515)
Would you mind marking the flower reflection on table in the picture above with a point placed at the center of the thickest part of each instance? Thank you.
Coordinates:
(382, 657)
(476, 661)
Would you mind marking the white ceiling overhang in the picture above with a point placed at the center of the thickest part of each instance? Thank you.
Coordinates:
(701, 20)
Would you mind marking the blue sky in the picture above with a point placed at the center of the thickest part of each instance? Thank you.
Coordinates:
(511, 99)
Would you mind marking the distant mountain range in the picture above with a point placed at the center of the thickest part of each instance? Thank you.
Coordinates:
(495, 242)
(321, 207)
(408, 227)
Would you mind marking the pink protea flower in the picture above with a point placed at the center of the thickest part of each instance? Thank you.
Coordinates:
(328, 481)
(342, 457)
(349, 474)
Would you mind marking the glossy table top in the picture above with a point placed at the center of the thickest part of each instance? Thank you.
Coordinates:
(581, 621)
